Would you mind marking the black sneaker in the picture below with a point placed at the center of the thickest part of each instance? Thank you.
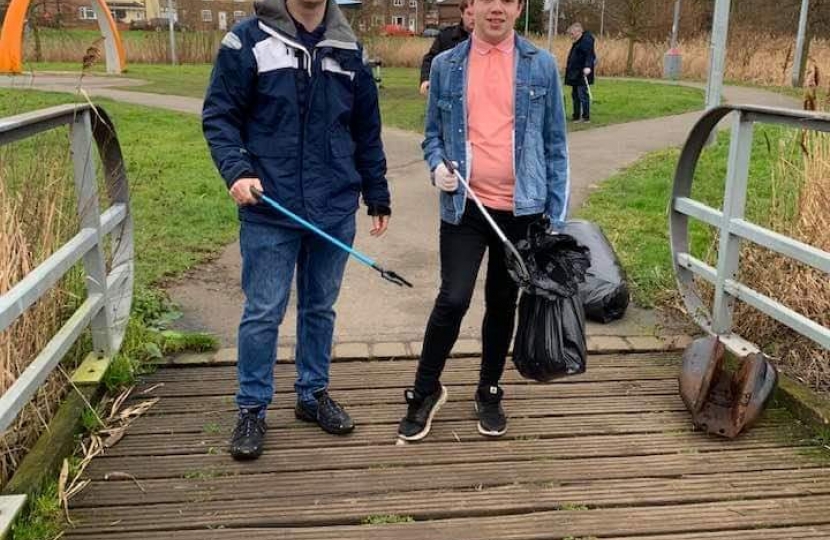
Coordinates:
(327, 413)
(418, 420)
(247, 438)
(491, 419)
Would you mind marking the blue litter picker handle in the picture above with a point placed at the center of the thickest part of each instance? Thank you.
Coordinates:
(388, 275)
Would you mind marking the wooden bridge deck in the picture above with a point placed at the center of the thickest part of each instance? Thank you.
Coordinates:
(609, 454)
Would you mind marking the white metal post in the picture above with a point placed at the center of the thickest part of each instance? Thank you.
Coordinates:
(717, 56)
(550, 23)
(602, 20)
(172, 31)
(95, 265)
(798, 75)
(556, 20)
(675, 24)
(734, 204)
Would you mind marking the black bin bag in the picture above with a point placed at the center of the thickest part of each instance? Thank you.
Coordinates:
(604, 292)
(550, 334)
(550, 338)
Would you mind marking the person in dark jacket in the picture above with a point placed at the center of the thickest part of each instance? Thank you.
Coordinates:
(292, 111)
(447, 39)
(579, 71)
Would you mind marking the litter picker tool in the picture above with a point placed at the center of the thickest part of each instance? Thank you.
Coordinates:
(588, 87)
(388, 275)
(514, 259)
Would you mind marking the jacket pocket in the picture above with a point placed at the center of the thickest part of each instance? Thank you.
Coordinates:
(447, 204)
(444, 106)
(538, 101)
(276, 162)
(263, 146)
(444, 110)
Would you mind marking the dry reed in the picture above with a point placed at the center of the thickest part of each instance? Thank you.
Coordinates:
(34, 194)
(752, 57)
(141, 47)
(801, 213)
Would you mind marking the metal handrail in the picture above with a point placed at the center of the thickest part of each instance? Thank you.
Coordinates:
(106, 309)
(734, 229)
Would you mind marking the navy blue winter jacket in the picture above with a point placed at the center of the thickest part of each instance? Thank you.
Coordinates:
(317, 166)
(581, 55)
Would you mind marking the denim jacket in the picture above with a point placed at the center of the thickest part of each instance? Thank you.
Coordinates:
(540, 152)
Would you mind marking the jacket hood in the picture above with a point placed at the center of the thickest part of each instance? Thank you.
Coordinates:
(274, 14)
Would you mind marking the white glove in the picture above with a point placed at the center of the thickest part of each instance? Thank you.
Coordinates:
(444, 179)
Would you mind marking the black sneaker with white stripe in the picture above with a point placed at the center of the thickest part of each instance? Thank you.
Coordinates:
(491, 419)
(419, 413)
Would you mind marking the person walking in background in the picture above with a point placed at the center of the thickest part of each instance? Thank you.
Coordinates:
(495, 109)
(579, 71)
(447, 39)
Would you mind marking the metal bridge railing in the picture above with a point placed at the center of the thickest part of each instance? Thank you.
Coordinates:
(733, 229)
(106, 308)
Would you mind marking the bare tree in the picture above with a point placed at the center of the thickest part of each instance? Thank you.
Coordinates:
(631, 21)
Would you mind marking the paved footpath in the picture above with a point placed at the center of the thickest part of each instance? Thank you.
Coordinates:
(369, 309)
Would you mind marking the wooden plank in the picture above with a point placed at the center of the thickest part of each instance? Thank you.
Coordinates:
(807, 405)
(91, 370)
(549, 525)
(319, 511)
(302, 435)
(284, 382)
(377, 396)
(372, 368)
(810, 532)
(204, 484)
(453, 410)
(223, 422)
(389, 455)
(55, 444)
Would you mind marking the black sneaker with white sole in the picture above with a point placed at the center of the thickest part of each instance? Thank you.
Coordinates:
(419, 413)
(491, 419)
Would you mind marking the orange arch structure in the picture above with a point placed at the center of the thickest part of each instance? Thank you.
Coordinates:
(11, 37)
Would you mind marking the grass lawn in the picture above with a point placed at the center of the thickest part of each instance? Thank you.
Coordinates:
(615, 101)
(179, 205)
(632, 206)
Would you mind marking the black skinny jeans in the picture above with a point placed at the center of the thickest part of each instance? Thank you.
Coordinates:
(462, 250)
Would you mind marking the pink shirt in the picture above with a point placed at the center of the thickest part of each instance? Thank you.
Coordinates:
(490, 76)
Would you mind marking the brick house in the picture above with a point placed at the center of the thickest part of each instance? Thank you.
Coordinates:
(79, 13)
(213, 14)
(370, 17)
(413, 15)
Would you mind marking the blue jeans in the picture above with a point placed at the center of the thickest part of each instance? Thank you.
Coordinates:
(269, 256)
(582, 103)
